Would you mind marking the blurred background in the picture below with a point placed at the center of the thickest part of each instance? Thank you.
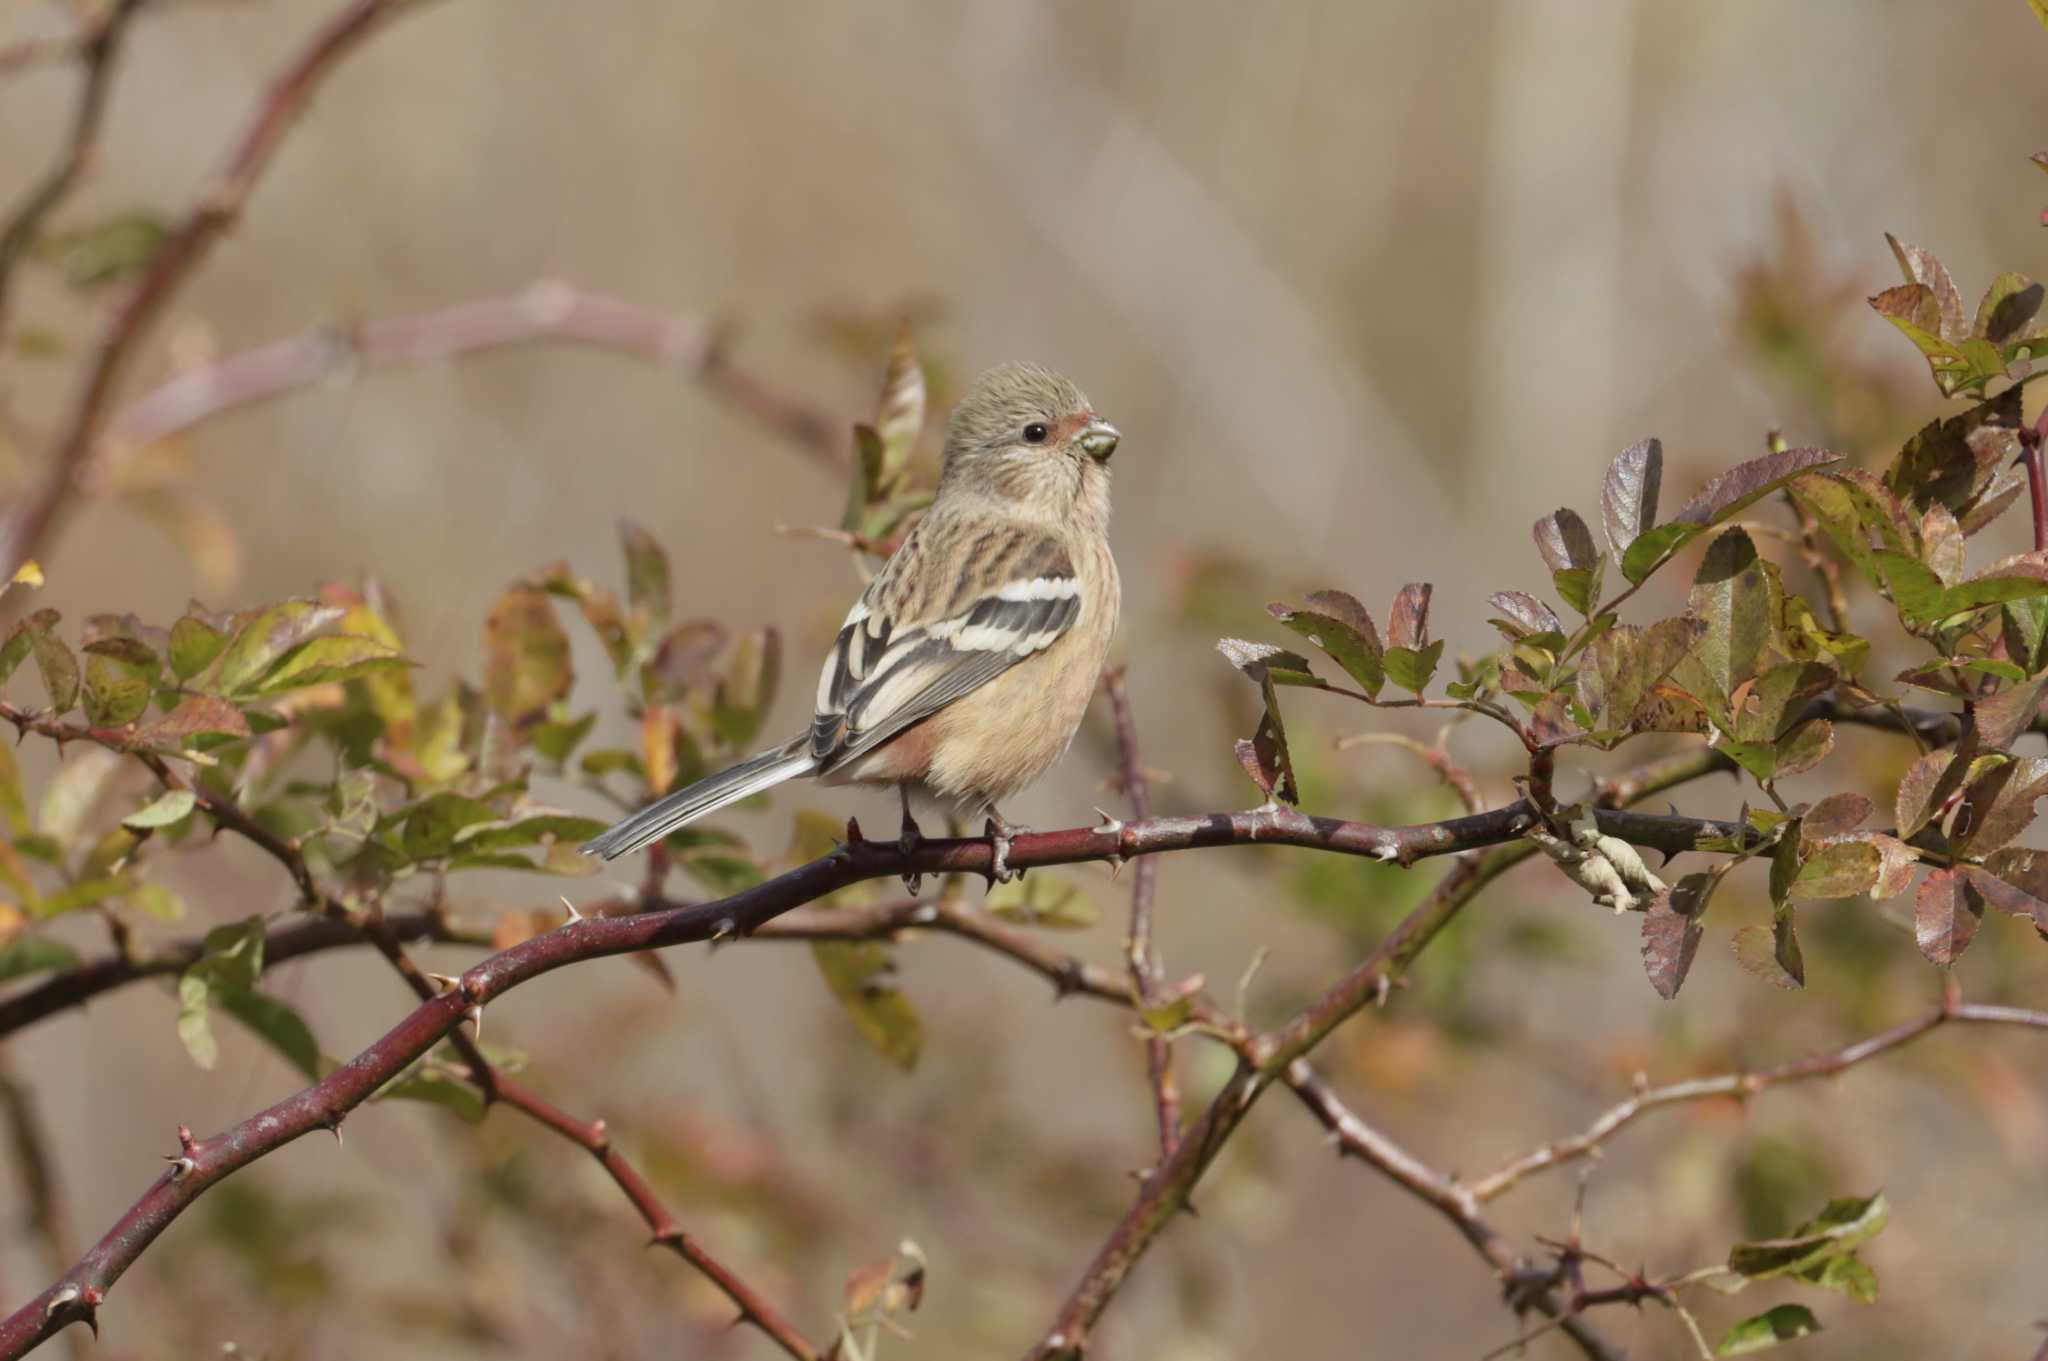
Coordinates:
(1368, 288)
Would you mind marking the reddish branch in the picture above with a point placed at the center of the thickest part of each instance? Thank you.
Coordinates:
(174, 262)
(99, 51)
(1148, 975)
(548, 310)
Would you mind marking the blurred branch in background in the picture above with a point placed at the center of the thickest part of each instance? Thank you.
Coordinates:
(98, 52)
(548, 310)
(216, 208)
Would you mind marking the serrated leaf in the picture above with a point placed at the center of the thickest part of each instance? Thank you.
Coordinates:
(1785, 1323)
(1834, 816)
(323, 661)
(1927, 785)
(258, 644)
(1671, 931)
(1839, 869)
(861, 976)
(1526, 613)
(1757, 949)
(1802, 749)
(1408, 622)
(1628, 496)
(1944, 919)
(1564, 541)
(1339, 625)
(1731, 597)
(2008, 897)
(2005, 715)
(1720, 500)
(174, 805)
(1412, 668)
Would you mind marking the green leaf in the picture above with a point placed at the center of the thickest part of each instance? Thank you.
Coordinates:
(432, 824)
(13, 797)
(103, 252)
(723, 875)
(532, 827)
(1786, 1323)
(24, 954)
(258, 644)
(1038, 900)
(424, 1083)
(323, 660)
(1731, 595)
(1849, 1274)
(1579, 587)
(557, 741)
(173, 806)
(1838, 869)
(861, 976)
(1411, 668)
(54, 660)
(195, 1020)
(1840, 1227)
(526, 656)
(647, 580)
(1952, 461)
(276, 1023)
(1922, 599)
(745, 692)
(1720, 500)
(196, 715)
(1339, 625)
(114, 695)
(194, 645)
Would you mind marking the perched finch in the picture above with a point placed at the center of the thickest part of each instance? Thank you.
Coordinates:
(964, 669)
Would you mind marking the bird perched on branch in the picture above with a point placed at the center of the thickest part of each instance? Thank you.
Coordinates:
(963, 671)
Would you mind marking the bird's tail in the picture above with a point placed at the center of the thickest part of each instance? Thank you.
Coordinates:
(657, 820)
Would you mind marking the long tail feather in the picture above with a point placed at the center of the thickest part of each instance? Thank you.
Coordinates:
(708, 795)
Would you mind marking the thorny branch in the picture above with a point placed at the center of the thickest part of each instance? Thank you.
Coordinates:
(1148, 975)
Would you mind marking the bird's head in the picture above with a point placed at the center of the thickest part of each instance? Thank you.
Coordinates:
(1022, 433)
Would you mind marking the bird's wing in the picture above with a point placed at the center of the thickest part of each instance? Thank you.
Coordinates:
(916, 641)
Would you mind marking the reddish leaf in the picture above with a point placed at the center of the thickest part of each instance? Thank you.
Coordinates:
(1920, 267)
(1764, 951)
(1628, 498)
(1745, 483)
(2004, 895)
(1408, 625)
(1926, 786)
(1836, 815)
(194, 715)
(1671, 932)
(1943, 918)
(1564, 541)
(1526, 612)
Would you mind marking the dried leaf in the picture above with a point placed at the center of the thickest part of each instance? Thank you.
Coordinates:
(1408, 625)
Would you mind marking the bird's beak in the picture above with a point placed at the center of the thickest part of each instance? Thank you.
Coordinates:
(1099, 440)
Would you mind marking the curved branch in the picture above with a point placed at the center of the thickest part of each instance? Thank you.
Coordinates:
(546, 310)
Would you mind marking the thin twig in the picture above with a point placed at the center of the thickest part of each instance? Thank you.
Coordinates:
(546, 310)
(1741, 1085)
(99, 52)
(1148, 975)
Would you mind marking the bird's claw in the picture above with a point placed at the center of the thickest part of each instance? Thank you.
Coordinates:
(999, 836)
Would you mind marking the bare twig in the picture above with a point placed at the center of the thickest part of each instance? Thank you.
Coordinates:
(1449, 1198)
(1148, 975)
(546, 310)
(99, 52)
(1739, 1086)
(173, 263)
(595, 1139)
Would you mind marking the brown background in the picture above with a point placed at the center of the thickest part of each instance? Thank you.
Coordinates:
(1368, 287)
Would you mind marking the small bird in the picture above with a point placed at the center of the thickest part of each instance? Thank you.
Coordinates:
(963, 671)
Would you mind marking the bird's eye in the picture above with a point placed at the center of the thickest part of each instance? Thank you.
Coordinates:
(1036, 433)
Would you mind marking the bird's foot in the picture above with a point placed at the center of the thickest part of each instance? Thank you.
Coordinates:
(911, 838)
(1000, 834)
